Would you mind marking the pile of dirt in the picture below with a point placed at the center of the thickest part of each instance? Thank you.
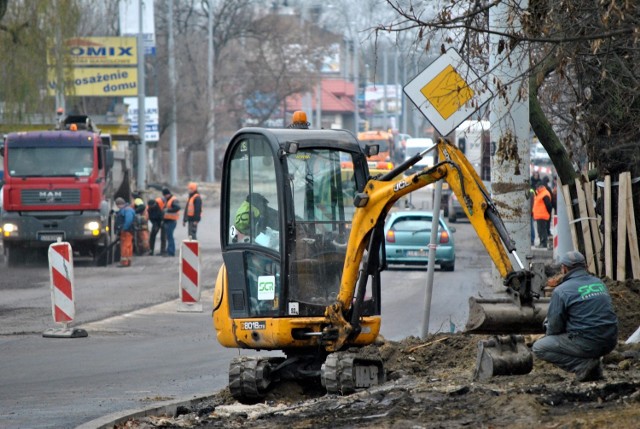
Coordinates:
(626, 300)
(430, 385)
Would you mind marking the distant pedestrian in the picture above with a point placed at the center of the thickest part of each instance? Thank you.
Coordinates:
(542, 213)
(193, 212)
(170, 219)
(124, 228)
(156, 215)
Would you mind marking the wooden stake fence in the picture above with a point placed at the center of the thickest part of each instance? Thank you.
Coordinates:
(585, 232)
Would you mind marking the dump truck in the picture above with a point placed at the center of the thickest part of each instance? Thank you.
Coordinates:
(302, 245)
(61, 184)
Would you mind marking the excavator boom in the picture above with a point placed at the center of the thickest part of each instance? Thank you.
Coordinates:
(377, 199)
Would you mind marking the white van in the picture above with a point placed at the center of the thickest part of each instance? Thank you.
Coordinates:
(417, 145)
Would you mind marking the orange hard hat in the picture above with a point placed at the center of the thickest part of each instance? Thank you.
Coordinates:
(192, 186)
(73, 127)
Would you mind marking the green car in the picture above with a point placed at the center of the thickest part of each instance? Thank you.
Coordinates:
(407, 237)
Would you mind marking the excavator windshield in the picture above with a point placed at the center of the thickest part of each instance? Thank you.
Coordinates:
(322, 194)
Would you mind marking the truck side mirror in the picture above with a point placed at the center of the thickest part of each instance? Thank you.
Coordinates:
(109, 159)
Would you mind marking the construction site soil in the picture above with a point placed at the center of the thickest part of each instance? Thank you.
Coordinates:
(430, 385)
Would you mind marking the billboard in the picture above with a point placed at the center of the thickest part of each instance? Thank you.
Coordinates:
(99, 51)
(151, 118)
(97, 82)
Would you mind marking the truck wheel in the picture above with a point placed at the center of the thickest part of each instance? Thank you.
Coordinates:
(102, 253)
(449, 266)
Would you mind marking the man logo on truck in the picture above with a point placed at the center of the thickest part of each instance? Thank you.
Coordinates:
(50, 196)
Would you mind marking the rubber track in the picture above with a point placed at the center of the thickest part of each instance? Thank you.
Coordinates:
(243, 378)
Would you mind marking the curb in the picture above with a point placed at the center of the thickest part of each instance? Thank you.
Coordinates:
(168, 407)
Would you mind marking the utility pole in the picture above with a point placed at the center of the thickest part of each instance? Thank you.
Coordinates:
(142, 148)
(510, 126)
(59, 58)
(211, 125)
(173, 110)
(385, 77)
(356, 83)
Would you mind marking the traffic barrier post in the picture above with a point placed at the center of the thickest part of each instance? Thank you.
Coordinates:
(189, 282)
(62, 293)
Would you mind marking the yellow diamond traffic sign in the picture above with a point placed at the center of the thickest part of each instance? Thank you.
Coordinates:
(447, 92)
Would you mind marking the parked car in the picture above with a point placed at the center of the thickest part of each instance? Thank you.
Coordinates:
(455, 209)
(407, 236)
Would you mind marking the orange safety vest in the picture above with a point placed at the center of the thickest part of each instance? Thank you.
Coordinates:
(191, 210)
(171, 216)
(539, 208)
(160, 202)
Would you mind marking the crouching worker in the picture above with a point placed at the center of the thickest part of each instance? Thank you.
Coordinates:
(124, 227)
(581, 324)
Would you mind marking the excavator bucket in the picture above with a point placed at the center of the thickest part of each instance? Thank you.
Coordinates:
(503, 355)
(502, 316)
(520, 311)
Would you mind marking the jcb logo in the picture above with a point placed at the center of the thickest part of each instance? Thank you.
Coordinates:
(400, 185)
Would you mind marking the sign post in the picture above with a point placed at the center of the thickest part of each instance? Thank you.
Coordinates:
(446, 93)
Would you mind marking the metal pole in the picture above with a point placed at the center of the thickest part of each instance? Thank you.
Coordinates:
(356, 82)
(385, 77)
(319, 104)
(435, 223)
(142, 148)
(396, 97)
(173, 110)
(60, 100)
(211, 152)
(405, 105)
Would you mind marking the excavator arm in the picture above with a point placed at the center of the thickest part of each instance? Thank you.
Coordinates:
(376, 200)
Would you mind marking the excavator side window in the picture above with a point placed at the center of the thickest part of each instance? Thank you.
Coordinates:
(253, 194)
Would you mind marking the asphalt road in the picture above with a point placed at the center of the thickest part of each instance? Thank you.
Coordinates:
(140, 350)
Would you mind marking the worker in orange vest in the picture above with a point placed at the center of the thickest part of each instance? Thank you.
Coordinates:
(193, 212)
(170, 219)
(155, 208)
(542, 213)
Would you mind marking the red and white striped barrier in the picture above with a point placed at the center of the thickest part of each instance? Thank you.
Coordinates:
(189, 282)
(62, 294)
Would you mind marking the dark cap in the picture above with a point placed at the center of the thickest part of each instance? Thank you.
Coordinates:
(572, 259)
(166, 191)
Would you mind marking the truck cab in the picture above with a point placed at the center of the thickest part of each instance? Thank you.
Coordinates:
(54, 188)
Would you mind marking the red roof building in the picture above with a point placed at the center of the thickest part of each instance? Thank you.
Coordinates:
(336, 104)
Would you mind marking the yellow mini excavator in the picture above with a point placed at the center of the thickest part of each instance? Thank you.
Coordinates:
(302, 245)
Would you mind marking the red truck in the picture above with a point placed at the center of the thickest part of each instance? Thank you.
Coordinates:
(60, 184)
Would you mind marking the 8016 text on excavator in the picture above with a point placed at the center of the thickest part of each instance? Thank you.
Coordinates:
(302, 244)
